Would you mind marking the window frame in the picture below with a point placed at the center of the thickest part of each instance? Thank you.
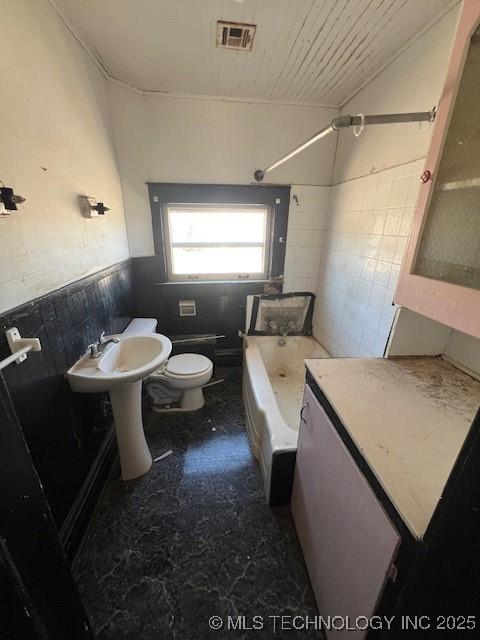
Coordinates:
(243, 276)
(277, 197)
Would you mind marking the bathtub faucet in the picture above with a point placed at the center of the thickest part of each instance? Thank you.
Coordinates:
(273, 324)
(284, 331)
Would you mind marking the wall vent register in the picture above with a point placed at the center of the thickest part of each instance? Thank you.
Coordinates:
(235, 35)
(187, 308)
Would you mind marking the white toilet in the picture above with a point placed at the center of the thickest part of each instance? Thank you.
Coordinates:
(180, 379)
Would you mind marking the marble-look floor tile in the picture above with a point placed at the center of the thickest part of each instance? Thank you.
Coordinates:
(194, 537)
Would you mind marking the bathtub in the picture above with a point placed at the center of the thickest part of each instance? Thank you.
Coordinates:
(273, 382)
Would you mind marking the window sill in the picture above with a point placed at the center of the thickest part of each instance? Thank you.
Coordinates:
(203, 282)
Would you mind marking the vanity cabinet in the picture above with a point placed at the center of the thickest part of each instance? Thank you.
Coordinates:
(348, 542)
(386, 497)
(440, 277)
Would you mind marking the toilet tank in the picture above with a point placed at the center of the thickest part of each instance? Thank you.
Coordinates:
(141, 325)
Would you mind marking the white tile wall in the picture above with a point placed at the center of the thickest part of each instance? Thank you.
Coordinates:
(362, 237)
(306, 228)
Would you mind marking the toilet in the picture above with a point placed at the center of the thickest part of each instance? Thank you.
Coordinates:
(180, 379)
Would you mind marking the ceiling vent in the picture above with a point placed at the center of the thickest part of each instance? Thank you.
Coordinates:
(235, 35)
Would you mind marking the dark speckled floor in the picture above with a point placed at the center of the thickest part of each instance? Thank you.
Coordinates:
(194, 537)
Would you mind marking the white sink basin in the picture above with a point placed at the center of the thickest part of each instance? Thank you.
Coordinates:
(132, 359)
(120, 370)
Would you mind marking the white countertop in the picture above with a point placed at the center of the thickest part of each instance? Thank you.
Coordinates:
(408, 417)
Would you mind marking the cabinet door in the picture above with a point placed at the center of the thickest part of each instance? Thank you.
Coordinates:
(441, 272)
(347, 540)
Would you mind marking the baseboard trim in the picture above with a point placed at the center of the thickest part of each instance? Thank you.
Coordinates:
(81, 511)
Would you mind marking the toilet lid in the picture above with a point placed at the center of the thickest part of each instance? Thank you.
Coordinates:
(187, 364)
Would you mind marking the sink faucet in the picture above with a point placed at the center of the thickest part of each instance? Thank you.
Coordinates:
(97, 348)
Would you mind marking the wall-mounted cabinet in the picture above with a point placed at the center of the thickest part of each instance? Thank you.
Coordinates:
(441, 272)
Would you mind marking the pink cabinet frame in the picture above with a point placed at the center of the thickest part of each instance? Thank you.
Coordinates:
(450, 304)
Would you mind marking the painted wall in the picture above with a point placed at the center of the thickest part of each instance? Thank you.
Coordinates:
(413, 82)
(57, 143)
(167, 139)
(414, 334)
(370, 209)
(464, 350)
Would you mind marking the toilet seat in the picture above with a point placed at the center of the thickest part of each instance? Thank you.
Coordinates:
(186, 365)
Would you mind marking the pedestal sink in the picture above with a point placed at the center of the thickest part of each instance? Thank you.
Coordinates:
(120, 371)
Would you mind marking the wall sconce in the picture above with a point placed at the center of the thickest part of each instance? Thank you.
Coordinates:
(8, 200)
(91, 208)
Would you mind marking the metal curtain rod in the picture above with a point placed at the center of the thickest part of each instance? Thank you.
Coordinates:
(343, 122)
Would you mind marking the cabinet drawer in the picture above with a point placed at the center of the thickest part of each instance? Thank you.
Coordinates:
(347, 540)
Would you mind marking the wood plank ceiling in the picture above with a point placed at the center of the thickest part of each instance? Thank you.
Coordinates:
(315, 51)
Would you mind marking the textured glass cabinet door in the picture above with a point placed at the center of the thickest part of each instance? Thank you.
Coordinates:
(449, 249)
(440, 274)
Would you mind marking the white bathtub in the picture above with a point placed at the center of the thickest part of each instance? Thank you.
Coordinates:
(273, 382)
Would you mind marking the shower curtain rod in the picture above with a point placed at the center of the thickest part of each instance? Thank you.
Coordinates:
(343, 122)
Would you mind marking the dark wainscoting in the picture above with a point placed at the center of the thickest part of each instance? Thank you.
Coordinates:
(66, 432)
(275, 197)
(38, 599)
(220, 307)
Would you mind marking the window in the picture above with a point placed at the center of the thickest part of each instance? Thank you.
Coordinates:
(217, 241)
(241, 229)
